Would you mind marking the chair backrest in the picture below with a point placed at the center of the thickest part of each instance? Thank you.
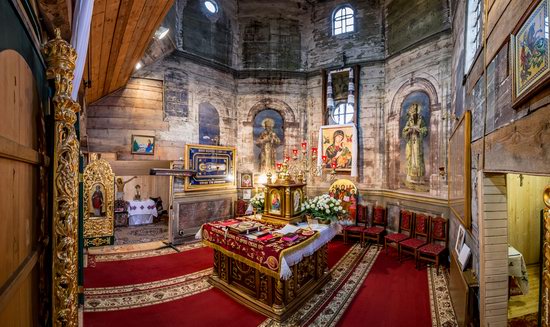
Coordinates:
(440, 230)
(379, 216)
(361, 215)
(406, 221)
(422, 226)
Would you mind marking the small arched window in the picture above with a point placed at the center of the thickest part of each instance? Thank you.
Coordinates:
(343, 20)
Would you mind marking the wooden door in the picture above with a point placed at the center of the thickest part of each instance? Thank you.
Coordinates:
(22, 193)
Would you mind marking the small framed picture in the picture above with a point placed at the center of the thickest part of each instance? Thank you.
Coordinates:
(246, 180)
(143, 144)
(530, 53)
(464, 256)
(247, 194)
(460, 239)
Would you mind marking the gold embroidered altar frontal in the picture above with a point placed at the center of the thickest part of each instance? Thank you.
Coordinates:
(243, 275)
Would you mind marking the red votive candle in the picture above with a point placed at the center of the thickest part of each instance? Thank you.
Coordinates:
(304, 145)
(324, 158)
(333, 165)
(295, 151)
(314, 150)
(278, 165)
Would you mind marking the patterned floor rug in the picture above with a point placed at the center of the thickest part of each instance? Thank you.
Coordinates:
(443, 314)
(142, 234)
(529, 320)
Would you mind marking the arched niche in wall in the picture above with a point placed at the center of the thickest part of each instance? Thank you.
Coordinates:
(209, 124)
(269, 139)
(412, 170)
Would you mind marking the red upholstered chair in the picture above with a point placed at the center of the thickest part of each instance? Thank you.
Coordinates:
(433, 251)
(406, 222)
(240, 208)
(421, 236)
(378, 227)
(361, 223)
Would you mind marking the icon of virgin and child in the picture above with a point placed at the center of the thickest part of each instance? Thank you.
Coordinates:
(338, 151)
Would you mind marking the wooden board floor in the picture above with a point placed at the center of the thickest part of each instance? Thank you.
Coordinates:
(521, 305)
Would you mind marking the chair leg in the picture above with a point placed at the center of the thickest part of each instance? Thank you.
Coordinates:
(437, 264)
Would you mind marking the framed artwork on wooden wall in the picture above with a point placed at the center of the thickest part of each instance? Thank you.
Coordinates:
(459, 170)
(246, 180)
(530, 53)
(214, 166)
(143, 144)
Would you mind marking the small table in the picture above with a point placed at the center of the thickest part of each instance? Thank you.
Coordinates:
(517, 269)
(273, 277)
(141, 212)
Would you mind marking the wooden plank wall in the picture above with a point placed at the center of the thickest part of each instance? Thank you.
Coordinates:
(136, 109)
(493, 254)
(524, 194)
(121, 31)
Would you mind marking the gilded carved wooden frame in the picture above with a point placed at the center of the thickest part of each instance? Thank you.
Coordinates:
(98, 230)
(545, 305)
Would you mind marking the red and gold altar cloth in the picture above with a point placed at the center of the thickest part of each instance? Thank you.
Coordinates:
(266, 256)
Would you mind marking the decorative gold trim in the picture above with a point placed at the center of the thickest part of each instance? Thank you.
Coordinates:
(60, 59)
(99, 173)
(545, 320)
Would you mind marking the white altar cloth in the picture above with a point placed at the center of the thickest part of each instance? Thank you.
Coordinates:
(141, 212)
(327, 232)
(517, 269)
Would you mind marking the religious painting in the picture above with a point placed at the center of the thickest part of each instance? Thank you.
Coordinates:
(345, 191)
(246, 180)
(209, 124)
(530, 53)
(142, 144)
(275, 202)
(268, 136)
(214, 166)
(340, 84)
(97, 200)
(459, 170)
(414, 140)
(338, 146)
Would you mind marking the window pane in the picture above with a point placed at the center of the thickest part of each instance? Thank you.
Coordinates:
(338, 24)
(339, 14)
(337, 31)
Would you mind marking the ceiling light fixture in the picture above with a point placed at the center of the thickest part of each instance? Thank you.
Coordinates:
(161, 33)
(139, 65)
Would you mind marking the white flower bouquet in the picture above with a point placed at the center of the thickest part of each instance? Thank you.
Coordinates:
(257, 202)
(324, 207)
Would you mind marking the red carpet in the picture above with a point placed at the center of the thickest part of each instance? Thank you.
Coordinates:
(210, 308)
(394, 294)
(336, 250)
(128, 272)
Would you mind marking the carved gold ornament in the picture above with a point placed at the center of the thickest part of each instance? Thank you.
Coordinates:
(60, 58)
(98, 175)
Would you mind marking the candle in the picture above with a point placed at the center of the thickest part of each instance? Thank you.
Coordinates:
(304, 145)
(324, 158)
(314, 150)
(333, 165)
(295, 152)
(279, 165)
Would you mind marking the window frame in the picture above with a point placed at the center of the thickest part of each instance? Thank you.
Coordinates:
(343, 20)
(345, 114)
(468, 66)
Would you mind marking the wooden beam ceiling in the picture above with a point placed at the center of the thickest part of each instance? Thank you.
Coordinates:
(120, 32)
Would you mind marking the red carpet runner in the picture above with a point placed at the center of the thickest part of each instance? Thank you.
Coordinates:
(393, 295)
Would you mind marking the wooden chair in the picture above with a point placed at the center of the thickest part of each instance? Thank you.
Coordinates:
(378, 227)
(240, 208)
(361, 223)
(433, 251)
(406, 222)
(420, 238)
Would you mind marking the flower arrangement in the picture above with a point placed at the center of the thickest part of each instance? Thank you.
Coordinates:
(324, 207)
(258, 201)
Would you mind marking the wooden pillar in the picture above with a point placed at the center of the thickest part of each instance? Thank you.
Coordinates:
(61, 58)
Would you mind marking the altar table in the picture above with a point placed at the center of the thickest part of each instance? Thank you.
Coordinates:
(517, 269)
(141, 212)
(275, 276)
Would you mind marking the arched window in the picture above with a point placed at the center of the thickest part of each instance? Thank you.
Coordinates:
(343, 20)
(209, 124)
(343, 113)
